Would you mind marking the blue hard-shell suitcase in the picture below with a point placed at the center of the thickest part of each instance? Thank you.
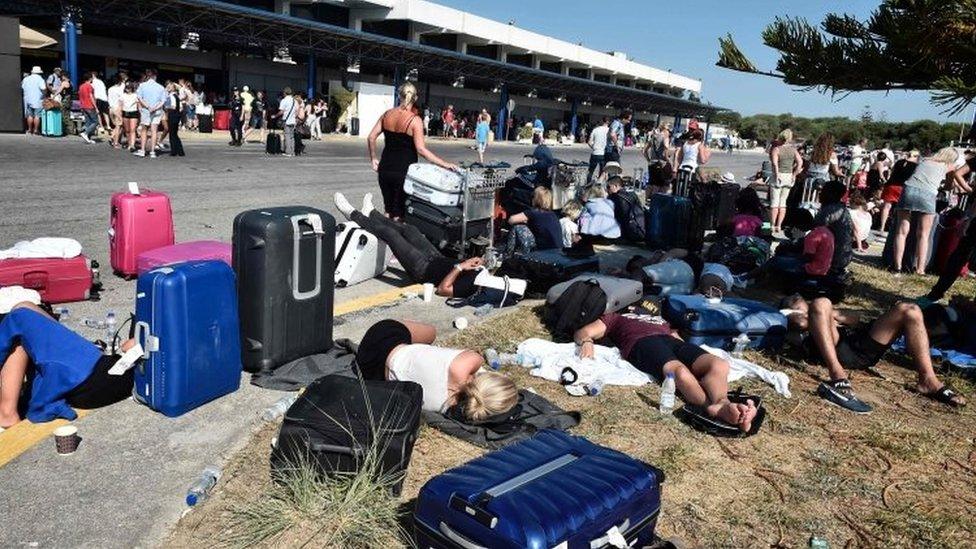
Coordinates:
(552, 490)
(716, 323)
(51, 123)
(186, 320)
(668, 219)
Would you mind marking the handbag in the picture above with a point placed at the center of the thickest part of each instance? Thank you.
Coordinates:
(303, 131)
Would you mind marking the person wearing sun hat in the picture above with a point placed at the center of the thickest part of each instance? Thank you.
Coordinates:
(33, 87)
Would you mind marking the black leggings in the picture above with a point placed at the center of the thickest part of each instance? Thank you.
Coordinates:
(175, 143)
(407, 243)
(959, 257)
(394, 199)
(101, 388)
(236, 125)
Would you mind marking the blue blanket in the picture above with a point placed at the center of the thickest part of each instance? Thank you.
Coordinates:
(956, 358)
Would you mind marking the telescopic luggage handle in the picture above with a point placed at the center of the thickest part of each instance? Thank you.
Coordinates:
(315, 221)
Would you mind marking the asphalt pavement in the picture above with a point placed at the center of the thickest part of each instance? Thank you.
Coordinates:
(125, 486)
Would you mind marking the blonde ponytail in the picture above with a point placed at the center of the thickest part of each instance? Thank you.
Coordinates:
(488, 394)
(407, 94)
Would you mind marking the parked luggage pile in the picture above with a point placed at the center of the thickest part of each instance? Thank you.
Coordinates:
(454, 210)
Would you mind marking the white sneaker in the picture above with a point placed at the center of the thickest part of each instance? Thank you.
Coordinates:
(140, 153)
(152, 154)
(85, 138)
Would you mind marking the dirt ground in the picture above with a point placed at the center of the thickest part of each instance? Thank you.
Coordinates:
(904, 476)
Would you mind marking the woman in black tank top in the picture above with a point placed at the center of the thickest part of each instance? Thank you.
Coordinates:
(403, 134)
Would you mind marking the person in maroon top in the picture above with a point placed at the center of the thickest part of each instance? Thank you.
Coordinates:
(86, 96)
(652, 346)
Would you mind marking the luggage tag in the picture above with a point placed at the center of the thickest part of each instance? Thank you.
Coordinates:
(133, 187)
(127, 361)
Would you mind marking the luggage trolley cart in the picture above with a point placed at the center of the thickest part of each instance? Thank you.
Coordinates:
(568, 181)
(480, 188)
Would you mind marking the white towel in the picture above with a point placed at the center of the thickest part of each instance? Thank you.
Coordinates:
(45, 247)
(740, 368)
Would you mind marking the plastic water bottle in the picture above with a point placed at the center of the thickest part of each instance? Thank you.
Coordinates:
(110, 327)
(201, 488)
(667, 395)
(93, 323)
(508, 358)
(741, 343)
(64, 315)
(525, 360)
(595, 388)
(819, 543)
(493, 359)
(279, 408)
(483, 310)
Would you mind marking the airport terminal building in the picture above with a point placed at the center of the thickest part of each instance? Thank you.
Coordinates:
(360, 49)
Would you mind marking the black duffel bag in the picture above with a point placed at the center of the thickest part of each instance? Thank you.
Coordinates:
(339, 421)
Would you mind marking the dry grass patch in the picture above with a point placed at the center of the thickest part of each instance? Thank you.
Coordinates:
(904, 476)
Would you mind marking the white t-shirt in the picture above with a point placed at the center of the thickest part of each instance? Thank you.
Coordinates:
(862, 222)
(427, 365)
(569, 228)
(114, 95)
(598, 138)
(129, 102)
(99, 88)
(288, 110)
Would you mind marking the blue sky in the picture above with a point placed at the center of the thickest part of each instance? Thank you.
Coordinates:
(682, 35)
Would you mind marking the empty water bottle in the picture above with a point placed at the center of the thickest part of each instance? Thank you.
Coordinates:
(93, 323)
(64, 315)
(595, 387)
(493, 359)
(279, 408)
(201, 487)
(819, 543)
(526, 360)
(110, 327)
(508, 358)
(483, 309)
(741, 344)
(667, 395)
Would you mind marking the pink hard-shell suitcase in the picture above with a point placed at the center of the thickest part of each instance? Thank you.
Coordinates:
(140, 221)
(183, 252)
(57, 280)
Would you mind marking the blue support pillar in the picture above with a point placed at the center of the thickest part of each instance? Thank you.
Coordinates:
(397, 81)
(501, 133)
(71, 48)
(312, 77)
(574, 119)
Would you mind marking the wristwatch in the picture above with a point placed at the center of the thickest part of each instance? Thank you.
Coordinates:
(459, 267)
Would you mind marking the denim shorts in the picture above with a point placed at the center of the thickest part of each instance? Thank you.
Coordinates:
(32, 112)
(915, 199)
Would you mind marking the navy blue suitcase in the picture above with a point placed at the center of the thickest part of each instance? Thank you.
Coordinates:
(544, 269)
(668, 219)
(186, 320)
(716, 323)
(552, 490)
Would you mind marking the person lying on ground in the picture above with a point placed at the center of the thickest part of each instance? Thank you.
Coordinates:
(701, 378)
(841, 340)
(422, 262)
(541, 220)
(64, 369)
(403, 350)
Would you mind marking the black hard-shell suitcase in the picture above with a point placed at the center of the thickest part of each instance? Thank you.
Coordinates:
(714, 203)
(285, 260)
(273, 145)
(546, 268)
(339, 420)
(442, 224)
(205, 123)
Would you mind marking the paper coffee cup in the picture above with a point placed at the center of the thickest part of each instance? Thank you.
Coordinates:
(66, 439)
(428, 292)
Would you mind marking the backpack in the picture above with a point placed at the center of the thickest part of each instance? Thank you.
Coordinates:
(583, 302)
(630, 215)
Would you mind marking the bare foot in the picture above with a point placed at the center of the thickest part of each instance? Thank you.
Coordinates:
(9, 420)
(740, 415)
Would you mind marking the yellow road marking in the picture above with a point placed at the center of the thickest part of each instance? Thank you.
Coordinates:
(24, 435)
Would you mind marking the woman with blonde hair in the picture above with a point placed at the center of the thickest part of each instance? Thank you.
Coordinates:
(403, 132)
(787, 163)
(403, 350)
(541, 221)
(569, 223)
(916, 207)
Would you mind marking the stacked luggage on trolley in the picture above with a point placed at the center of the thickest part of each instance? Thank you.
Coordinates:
(455, 210)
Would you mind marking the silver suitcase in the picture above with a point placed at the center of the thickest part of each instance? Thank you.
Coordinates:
(621, 292)
(434, 184)
(360, 256)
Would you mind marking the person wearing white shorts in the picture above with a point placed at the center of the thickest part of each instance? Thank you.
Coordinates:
(152, 96)
(787, 163)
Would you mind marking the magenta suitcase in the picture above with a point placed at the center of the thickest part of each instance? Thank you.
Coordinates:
(57, 280)
(183, 252)
(139, 223)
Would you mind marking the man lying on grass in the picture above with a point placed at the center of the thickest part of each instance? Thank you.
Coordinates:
(652, 347)
(840, 340)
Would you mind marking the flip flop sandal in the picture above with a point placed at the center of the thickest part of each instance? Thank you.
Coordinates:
(697, 418)
(944, 396)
